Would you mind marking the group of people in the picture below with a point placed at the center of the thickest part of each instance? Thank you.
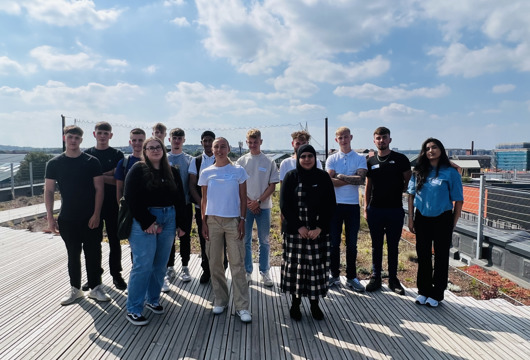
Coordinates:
(163, 189)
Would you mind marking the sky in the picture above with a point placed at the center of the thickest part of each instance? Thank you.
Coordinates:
(457, 70)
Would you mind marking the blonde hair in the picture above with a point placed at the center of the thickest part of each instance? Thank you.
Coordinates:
(342, 130)
(253, 133)
(301, 134)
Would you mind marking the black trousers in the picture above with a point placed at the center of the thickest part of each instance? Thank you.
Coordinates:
(109, 214)
(185, 241)
(432, 232)
(78, 236)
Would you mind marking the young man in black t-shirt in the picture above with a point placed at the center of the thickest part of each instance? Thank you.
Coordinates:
(388, 176)
(109, 158)
(81, 187)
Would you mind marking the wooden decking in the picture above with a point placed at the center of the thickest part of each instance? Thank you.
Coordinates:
(381, 325)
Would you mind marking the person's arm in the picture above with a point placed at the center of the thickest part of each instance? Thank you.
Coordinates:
(242, 209)
(411, 214)
(98, 202)
(119, 190)
(108, 177)
(357, 179)
(193, 188)
(457, 210)
(204, 217)
(49, 199)
(406, 178)
(254, 205)
(368, 195)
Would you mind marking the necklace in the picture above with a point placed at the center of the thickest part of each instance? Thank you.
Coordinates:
(385, 157)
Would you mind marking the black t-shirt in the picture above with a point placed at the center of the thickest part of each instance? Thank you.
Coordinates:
(108, 159)
(75, 177)
(387, 179)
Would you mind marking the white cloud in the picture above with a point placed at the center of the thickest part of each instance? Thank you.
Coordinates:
(64, 12)
(10, 7)
(174, 2)
(180, 22)
(8, 67)
(503, 88)
(371, 91)
(51, 59)
(57, 94)
(151, 69)
(457, 59)
(388, 113)
(117, 62)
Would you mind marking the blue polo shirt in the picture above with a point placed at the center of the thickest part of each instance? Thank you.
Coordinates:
(438, 193)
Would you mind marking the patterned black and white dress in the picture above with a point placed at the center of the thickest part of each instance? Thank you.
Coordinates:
(305, 262)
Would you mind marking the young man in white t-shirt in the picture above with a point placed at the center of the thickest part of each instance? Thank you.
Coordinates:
(260, 186)
(300, 138)
(347, 170)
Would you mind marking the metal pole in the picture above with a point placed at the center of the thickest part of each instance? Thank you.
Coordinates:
(326, 130)
(31, 177)
(12, 183)
(480, 220)
(62, 130)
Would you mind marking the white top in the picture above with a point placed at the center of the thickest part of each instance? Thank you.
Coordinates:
(290, 164)
(223, 189)
(346, 164)
(206, 161)
(262, 171)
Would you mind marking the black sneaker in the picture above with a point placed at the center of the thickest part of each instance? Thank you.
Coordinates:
(85, 287)
(205, 277)
(119, 283)
(374, 284)
(137, 320)
(157, 309)
(395, 286)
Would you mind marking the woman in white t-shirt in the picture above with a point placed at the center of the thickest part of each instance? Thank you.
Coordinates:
(223, 207)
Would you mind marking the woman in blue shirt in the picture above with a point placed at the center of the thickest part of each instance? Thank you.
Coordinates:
(435, 190)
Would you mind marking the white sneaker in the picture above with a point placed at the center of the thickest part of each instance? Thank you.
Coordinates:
(165, 286)
(244, 315)
(249, 277)
(218, 310)
(99, 294)
(266, 278)
(171, 274)
(185, 274)
(421, 299)
(72, 296)
(430, 302)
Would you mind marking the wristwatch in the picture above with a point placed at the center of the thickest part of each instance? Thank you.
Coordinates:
(242, 218)
(259, 201)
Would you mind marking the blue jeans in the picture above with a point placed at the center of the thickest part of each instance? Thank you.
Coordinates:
(349, 215)
(150, 254)
(263, 222)
(383, 221)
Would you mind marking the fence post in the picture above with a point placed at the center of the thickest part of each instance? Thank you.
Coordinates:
(31, 177)
(12, 183)
(480, 220)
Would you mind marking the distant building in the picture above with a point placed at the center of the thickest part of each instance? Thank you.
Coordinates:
(513, 156)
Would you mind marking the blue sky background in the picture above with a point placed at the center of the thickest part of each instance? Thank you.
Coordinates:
(457, 70)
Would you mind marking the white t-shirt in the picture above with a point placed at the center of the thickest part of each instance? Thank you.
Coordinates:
(206, 161)
(262, 172)
(290, 164)
(223, 189)
(346, 164)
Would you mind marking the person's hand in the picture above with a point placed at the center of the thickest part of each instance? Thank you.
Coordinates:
(241, 229)
(154, 229)
(205, 234)
(303, 231)
(93, 222)
(365, 214)
(53, 227)
(313, 234)
(180, 232)
(253, 206)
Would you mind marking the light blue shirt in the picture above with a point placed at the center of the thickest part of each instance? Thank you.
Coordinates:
(346, 164)
(182, 162)
(438, 193)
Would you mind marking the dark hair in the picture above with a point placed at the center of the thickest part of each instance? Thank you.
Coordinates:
(137, 131)
(381, 130)
(177, 132)
(73, 129)
(423, 165)
(103, 125)
(166, 175)
(208, 133)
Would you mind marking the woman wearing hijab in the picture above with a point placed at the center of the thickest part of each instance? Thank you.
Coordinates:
(307, 199)
(154, 193)
(436, 192)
